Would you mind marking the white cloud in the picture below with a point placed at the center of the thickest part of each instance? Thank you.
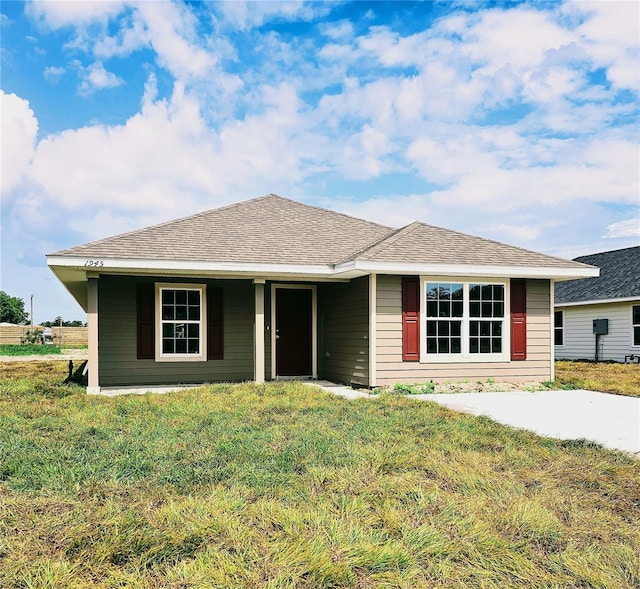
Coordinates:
(169, 28)
(243, 15)
(19, 132)
(502, 38)
(96, 77)
(58, 14)
(611, 37)
(628, 228)
(173, 35)
(338, 31)
(53, 74)
(131, 36)
(165, 161)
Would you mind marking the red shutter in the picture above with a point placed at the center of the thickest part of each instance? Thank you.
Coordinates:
(145, 304)
(214, 324)
(518, 320)
(410, 319)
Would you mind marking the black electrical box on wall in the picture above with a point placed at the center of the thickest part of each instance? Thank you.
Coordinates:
(600, 326)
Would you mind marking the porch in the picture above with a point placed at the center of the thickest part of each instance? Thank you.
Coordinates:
(270, 329)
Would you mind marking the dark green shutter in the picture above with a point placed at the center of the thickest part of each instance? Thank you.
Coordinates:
(146, 321)
(215, 313)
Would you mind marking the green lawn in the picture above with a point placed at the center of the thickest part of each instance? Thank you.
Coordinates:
(607, 377)
(287, 486)
(28, 349)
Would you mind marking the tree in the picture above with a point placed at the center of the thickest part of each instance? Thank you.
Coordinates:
(12, 309)
(59, 322)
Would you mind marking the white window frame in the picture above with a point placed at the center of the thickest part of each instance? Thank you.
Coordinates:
(633, 345)
(465, 356)
(555, 328)
(202, 322)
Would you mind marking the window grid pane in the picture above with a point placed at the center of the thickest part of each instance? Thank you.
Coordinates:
(444, 337)
(486, 300)
(558, 328)
(485, 337)
(181, 314)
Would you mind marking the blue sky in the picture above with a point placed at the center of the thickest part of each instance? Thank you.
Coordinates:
(516, 121)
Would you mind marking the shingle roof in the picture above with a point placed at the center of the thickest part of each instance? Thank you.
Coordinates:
(275, 230)
(619, 278)
(270, 230)
(429, 244)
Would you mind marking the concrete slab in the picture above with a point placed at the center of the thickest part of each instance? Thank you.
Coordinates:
(610, 420)
(133, 390)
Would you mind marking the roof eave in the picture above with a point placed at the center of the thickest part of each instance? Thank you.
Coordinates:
(554, 272)
(597, 301)
(73, 271)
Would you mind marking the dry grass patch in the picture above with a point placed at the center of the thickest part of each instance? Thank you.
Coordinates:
(606, 377)
(285, 486)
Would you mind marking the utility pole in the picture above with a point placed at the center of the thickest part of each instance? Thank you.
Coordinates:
(31, 311)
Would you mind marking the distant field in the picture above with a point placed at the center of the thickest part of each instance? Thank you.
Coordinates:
(607, 377)
(285, 486)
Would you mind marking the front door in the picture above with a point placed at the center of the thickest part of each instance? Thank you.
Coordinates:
(294, 331)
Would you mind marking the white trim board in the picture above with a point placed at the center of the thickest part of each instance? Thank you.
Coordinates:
(598, 302)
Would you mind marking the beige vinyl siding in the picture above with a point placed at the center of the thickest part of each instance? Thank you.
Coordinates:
(343, 331)
(391, 369)
(118, 338)
(579, 341)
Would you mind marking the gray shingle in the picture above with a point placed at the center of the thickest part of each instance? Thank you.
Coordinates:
(428, 244)
(269, 230)
(619, 278)
(275, 230)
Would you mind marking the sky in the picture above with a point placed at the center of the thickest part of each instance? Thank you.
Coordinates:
(514, 121)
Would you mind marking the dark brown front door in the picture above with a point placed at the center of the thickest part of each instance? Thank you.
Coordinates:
(294, 312)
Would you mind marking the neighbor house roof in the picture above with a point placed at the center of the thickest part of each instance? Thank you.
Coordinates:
(274, 237)
(619, 278)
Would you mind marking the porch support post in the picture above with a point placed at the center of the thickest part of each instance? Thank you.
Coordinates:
(552, 331)
(258, 354)
(372, 329)
(92, 325)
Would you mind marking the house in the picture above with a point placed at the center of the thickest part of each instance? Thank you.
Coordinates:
(272, 288)
(609, 304)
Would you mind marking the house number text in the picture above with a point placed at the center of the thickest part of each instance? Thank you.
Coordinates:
(94, 263)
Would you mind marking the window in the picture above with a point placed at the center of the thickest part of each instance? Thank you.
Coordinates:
(635, 324)
(180, 322)
(444, 318)
(464, 320)
(558, 328)
(486, 303)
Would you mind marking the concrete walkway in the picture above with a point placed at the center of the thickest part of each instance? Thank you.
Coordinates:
(610, 420)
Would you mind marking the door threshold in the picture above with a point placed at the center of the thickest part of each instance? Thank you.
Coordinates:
(307, 377)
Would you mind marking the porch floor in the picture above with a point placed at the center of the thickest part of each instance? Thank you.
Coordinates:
(115, 391)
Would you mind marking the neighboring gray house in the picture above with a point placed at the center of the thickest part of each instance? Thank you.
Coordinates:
(613, 297)
(272, 288)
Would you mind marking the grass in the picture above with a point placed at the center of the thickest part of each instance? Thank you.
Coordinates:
(29, 349)
(607, 377)
(285, 486)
